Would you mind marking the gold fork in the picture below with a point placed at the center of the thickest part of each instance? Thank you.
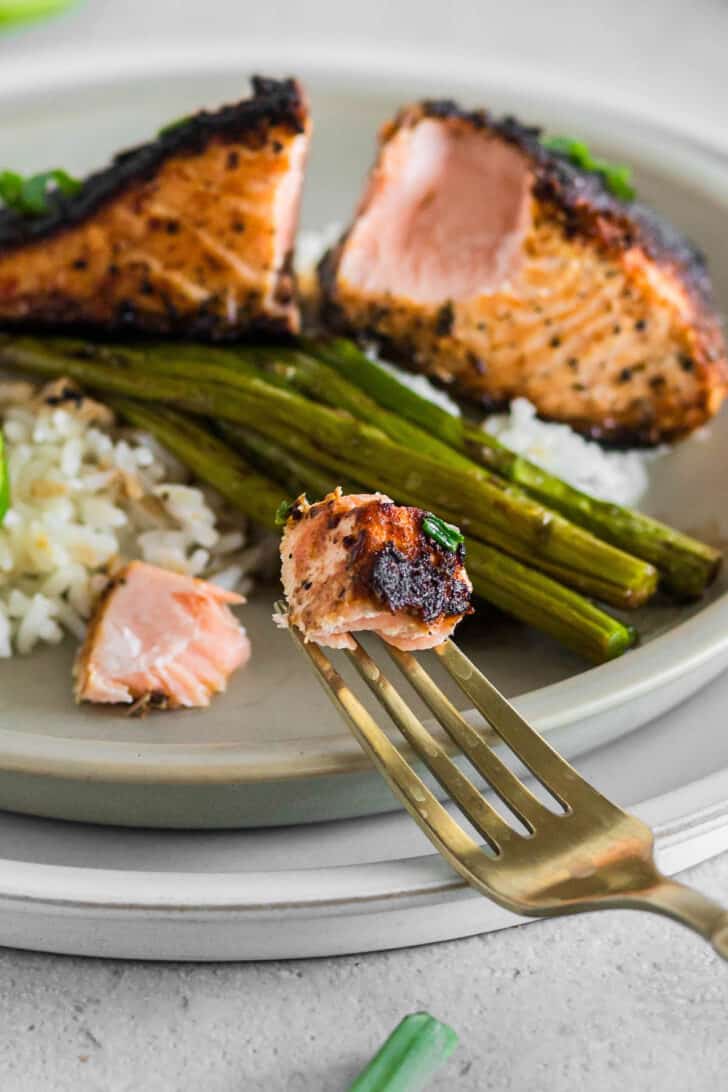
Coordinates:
(589, 856)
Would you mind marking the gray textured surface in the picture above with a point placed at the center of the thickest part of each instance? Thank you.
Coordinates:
(609, 1003)
(616, 1002)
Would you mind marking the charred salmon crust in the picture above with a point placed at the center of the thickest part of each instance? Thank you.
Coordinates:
(586, 204)
(189, 234)
(409, 572)
(603, 315)
(414, 584)
(361, 562)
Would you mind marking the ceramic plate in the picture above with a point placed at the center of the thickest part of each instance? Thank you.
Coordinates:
(272, 750)
(328, 888)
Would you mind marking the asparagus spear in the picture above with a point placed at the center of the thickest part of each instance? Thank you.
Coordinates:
(480, 502)
(295, 474)
(373, 479)
(209, 458)
(687, 565)
(285, 367)
(315, 379)
(494, 512)
(304, 373)
(310, 376)
(498, 578)
(349, 360)
(299, 372)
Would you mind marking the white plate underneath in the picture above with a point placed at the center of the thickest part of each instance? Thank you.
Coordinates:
(328, 888)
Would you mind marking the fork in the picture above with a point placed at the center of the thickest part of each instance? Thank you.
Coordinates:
(591, 855)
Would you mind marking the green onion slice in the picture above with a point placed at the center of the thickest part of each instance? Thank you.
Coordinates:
(283, 511)
(29, 196)
(171, 126)
(4, 479)
(617, 177)
(444, 534)
(23, 11)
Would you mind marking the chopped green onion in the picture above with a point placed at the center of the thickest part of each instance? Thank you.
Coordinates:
(407, 1061)
(21, 11)
(4, 479)
(29, 196)
(11, 187)
(171, 126)
(283, 511)
(617, 177)
(444, 534)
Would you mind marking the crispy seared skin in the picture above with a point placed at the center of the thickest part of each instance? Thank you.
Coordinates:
(493, 264)
(361, 562)
(190, 234)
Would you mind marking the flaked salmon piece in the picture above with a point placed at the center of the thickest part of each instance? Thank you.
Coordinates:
(160, 636)
(192, 233)
(481, 257)
(360, 562)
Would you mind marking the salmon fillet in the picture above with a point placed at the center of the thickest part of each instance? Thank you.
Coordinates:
(190, 234)
(481, 257)
(162, 637)
(360, 562)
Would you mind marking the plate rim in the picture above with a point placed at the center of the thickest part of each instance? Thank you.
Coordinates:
(106, 65)
(171, 764)
(619, 681)
(398, 883)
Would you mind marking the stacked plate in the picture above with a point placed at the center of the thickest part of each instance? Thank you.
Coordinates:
(323, 864)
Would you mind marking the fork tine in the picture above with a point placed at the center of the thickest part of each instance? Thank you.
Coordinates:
(458, 848)
(481, 814)
(554, 772)
(472, 743)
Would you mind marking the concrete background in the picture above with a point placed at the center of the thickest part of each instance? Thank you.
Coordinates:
(616, 1002)
(609, 1003)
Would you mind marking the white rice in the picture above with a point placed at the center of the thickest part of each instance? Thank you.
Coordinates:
(617, 476)
(87, 497)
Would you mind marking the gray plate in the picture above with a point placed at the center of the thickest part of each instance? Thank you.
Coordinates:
(272, 750)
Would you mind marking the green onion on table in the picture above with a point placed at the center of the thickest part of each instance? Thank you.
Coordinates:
(409, 1058)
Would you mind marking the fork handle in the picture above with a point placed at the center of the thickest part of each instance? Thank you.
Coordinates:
(686, 905)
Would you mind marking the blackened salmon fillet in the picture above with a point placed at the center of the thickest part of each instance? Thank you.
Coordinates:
(480, 256)
(190, 234)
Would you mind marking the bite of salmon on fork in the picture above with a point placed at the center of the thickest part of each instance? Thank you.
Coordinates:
(190, 234)
(354, 562)
(488, 258)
